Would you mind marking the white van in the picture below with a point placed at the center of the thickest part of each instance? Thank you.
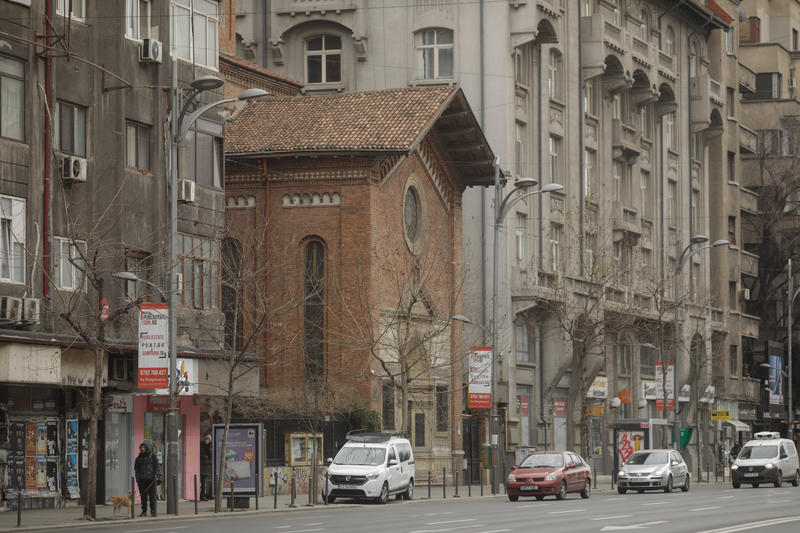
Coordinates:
(371, 465)
(766, 459)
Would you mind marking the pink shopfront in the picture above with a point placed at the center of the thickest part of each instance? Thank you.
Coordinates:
(150, 423)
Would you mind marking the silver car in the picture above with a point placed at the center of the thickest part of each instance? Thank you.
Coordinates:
(653, 470)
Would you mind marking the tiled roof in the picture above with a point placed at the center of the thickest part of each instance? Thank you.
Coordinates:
(390, 119)
(257, 69)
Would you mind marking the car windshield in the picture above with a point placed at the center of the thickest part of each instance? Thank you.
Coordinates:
(360, 456)
(648, 458)
(543, 460)
(758, 452)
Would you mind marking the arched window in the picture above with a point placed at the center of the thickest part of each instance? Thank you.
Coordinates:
(323, 55)
(434, 48)
(645, 27)
(554, 73)
(669, 42)
(314, 309)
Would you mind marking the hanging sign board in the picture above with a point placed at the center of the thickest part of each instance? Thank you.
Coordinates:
(480, 378)
(153, 346)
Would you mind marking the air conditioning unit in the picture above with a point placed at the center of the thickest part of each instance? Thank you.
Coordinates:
(73, 168)
(10, 308)
(792, 83)
(746, 294)
(150, 51)
(186, 191)
(30, 310)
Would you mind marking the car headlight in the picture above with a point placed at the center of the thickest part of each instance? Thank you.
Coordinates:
(374, 475)
(551, 476)
(511, 478)
(622, 473)
(659, 471)
(769, 466)
(734, 467)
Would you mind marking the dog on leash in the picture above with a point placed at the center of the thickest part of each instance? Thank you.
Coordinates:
(122, 501)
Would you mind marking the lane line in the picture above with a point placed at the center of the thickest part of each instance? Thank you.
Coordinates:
(447, 528)
(655, 503)
(450, 521)
(725, 497)
(496, 531)
(779, 501)
(706, 509)
(565, 512)
(314, 524)
(753, 525)
(612, 499)
(613, 517)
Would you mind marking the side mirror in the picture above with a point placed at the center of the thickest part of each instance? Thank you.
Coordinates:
(328, 461)
(513, 467)
(392, 462)
(675, 463)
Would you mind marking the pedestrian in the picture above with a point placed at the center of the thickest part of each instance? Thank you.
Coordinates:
(148, 475)
(206, 490)
(737, 447)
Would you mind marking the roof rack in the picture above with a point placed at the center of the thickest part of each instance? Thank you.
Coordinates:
(361, 435)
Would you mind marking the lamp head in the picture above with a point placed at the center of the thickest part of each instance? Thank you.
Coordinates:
(525, 183)
(615, 402)
(551, 187)
(207, 83)
(648, 345)
(698, 239)
(248, 94)
(127, 276)
(461, 318)
(721, 242)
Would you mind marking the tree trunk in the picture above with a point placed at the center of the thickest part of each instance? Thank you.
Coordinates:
(224, 445)
(95, 405)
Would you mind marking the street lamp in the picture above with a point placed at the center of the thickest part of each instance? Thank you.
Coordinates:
(130, 276)
(682, 257)
(791, 295)
(181, 123)
(502, 205)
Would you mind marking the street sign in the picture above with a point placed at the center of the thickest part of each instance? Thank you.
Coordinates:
(720, 414)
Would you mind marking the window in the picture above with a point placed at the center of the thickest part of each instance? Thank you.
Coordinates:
(616, 106)
(644, 28)
(588, 257)
(588, 98)
(137, 15)
(694, 60)
(520, 238)
(731, 100)
(139, 264)
(419, 430)
(669, 131)
(521, 341)
(314, 315)
(732, 230)
(619, 170)
(729, 41)
(137, 146)
(696, 209)
(78, 8)
(644, 121)
(647, 360)
(647, 257)
(12, 239)
(323, 59)
(732, 166)
(442, 408)
(12, 98)
(194, 31)
(524, 393)
(733, 356)
(589, 186)
(554, 145)
(795, 39)
(200, 157)
(750, 30)
(434, 54)
(301, 448)
(553, 74)
(623, 352)
(70, 264)
(201, 271)
(519, 147)
(669, 42)
(616, 16)
(647, 194)
(71, 129)
(768, 87)
(387, 404)
(733, 296)
(587, 8)
(672, 203)
(555, 247)
(627, 186)
(785, 134)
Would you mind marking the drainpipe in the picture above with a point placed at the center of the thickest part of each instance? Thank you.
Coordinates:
(48, 81)
(265, 28)
(540, 126)
(483, 189)
(267, 259)
(581, 162)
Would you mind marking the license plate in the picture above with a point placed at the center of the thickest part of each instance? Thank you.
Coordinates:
(751, 474)
(528, 487)
(345, 486)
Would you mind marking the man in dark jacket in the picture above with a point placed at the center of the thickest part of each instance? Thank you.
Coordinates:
(147, 473)
(205, 468)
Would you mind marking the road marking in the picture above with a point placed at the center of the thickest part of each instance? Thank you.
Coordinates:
(725, 497)
(496, 531)
(706, 509)
(306, 530)
(613, 517)
(655, 503)
(148, 530)
(753, 525)
(281, 527)
(644, 525)
(779, 501)
(447, 528)
(314, 524)
(450, 521)
(565, 512)
(612, 499)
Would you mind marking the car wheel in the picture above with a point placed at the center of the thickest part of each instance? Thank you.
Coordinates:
(621, 490)
(587, 489)
(639, 492)
(685, 487)
(668, 488)
(755, 485)
(796, 480)
(539, 497)
(384, 496)
(736, 485)
(331, 499)
(779, 479)
(409, 493)
(562, 493)
(513, 498)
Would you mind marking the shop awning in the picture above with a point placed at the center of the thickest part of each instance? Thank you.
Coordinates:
(738, 424)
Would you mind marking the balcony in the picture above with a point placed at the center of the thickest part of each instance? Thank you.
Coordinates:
(706, 96)
(747, 79)
(748, 200)
(749, 326)
(748, 140)
(291, 7)
(750, 390)
(625, 139)
(749, 263)
(600, 37)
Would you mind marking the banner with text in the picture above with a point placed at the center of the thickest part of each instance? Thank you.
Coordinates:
(480, 378)
(153, 346)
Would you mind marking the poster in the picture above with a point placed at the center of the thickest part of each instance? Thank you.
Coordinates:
(153, 346)
(670, 386)
(659, 387)
(480, 378)
(775, 381)
(30, 456)
(71, 441)
(242, 455)
(559, 407)
(628, 441)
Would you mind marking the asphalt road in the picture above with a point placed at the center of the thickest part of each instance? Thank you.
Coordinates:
(706, 509)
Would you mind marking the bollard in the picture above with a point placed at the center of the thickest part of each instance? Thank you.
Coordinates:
(133, 497)
(233, 496)
(258, 486)
(325, 489)
(429, 484)
(294, 491)
(174, 492)
(455, 480)
(469, 486)
(480, 471)
(444, 484)
(275, 491)
(218, 497)
(594, 476)
(19, 507)
(310, 487)
(195, 494)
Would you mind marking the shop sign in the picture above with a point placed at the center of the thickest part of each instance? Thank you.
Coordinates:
(560, 407)
(598, 388)
(720, 414)
(186, 372)
(153, 346)
(659, 387)
(624, 396)
(480, 378)
(670, 386)
(119, 403)
(648, 389)
(747, 412)
(594, 409)
(157, 404)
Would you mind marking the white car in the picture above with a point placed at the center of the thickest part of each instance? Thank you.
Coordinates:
(371, 466)
(766, 459)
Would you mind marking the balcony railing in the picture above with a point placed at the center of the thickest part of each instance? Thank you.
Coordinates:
(625, 138)
(749, 263)
(749, 200)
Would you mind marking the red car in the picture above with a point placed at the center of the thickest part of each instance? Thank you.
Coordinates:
(549, 473)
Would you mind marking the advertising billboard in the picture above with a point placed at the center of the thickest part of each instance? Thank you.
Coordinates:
(244, 460)
(153, 346)
(480, 378)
